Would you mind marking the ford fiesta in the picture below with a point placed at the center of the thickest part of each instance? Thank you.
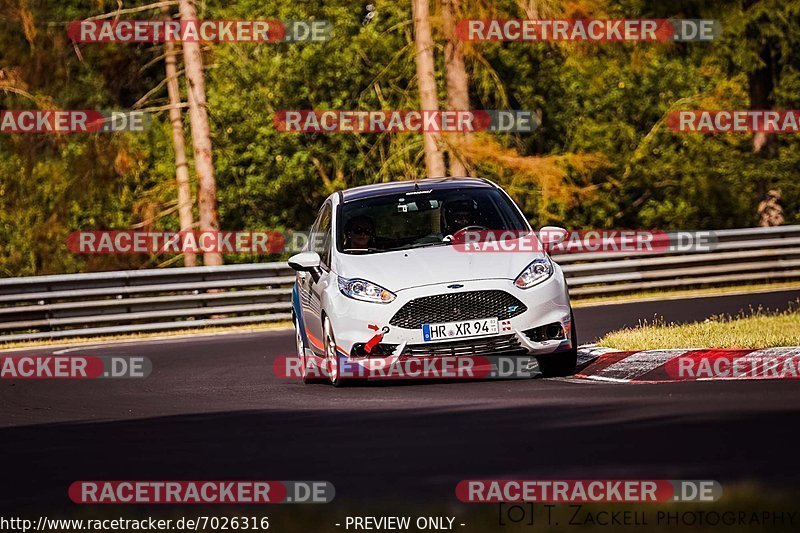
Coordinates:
(382, 277)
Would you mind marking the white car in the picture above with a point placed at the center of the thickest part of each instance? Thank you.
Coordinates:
(381, 260)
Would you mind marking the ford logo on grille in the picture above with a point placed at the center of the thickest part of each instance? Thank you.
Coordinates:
(455, 286)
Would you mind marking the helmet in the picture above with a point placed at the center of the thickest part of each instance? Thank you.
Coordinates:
(457, 214)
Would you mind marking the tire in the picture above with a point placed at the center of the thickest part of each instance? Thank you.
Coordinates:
(331, 355)
(565, 363)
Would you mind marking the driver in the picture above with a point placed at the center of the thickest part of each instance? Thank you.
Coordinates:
(359, 232)
(458, 214)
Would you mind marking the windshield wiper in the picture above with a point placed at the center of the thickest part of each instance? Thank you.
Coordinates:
(424, 245)
(364, 250)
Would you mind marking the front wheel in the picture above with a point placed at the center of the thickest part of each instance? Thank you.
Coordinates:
(564, 363)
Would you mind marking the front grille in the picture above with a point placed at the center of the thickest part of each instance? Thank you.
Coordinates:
(502, 345)
(457, 306)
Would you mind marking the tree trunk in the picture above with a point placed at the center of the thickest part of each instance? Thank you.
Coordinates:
(179, 143)
(455, 74)
(201, 136)
(426, 77)
(762, 86)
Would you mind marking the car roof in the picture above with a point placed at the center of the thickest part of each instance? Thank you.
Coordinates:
(395, 187)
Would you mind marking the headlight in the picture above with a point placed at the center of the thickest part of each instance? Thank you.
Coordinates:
(366, 291)
(535, 273)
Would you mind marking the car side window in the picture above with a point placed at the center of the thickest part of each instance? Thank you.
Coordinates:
(313, 242)
(323, 234)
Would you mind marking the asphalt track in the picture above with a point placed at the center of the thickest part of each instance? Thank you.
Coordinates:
(212, 409)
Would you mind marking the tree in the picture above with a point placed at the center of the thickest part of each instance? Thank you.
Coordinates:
(179, 144)
(201, 135)
(455, 73)
(762, 80)
(426, 79)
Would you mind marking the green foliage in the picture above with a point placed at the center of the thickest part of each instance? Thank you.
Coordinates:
(608, 99)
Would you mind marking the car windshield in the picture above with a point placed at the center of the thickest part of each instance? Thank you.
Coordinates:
(422, 218)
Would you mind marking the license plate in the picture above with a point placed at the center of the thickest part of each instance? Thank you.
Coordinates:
(459, 330)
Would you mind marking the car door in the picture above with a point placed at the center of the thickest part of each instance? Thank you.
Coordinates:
(320, 242)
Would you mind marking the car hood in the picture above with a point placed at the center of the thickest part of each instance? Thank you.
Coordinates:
(405, 269)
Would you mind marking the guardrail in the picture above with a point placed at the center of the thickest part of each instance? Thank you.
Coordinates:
(132, 301)
(738, 256)
(106, 303)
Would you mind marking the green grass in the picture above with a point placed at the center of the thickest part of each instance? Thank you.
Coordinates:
(757, 329)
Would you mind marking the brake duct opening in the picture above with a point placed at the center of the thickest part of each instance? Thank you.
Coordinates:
(548, 332)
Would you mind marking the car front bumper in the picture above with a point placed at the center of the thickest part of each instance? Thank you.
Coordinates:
(355, 322)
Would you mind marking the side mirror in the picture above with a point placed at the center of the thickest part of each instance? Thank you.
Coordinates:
(552, 235)
(306, 262)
